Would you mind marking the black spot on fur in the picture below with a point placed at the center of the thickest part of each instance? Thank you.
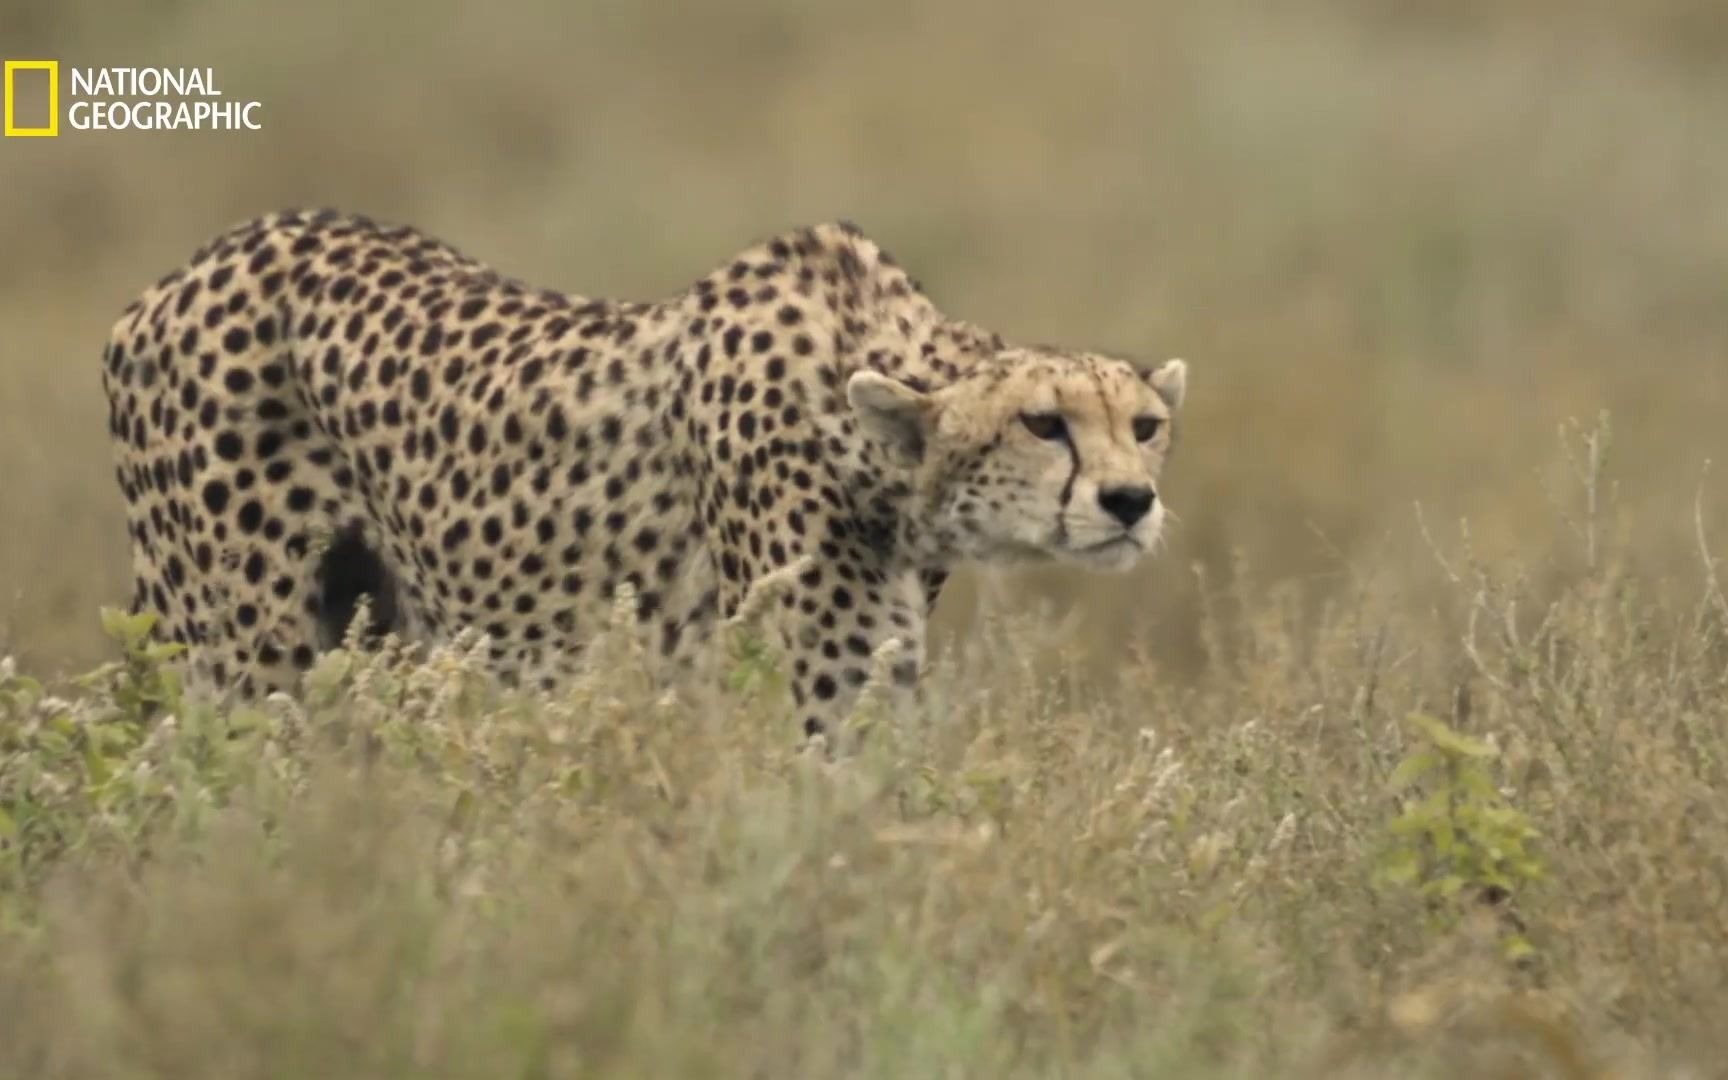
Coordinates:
(349, 570)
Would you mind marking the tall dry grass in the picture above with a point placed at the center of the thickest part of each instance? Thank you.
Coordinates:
(411, 873)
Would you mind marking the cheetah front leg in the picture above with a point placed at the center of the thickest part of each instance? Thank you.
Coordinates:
(850, 631)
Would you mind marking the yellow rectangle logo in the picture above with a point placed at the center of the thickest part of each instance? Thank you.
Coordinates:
(52, 67)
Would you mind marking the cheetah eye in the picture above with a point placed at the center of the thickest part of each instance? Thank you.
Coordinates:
(1146, 426)
(1049, 426)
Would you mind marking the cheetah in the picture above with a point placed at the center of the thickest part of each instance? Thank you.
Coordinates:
(319, 408)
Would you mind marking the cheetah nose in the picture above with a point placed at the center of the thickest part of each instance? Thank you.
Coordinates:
(1126, 504)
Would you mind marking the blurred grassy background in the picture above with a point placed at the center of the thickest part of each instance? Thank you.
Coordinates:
(1399, 242)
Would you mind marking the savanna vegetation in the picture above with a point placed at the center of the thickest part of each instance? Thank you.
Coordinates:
(1408, 755)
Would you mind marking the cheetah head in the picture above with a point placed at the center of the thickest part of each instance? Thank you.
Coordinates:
(1035, 454)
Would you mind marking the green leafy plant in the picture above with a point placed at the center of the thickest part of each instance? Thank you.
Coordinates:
(92, 772)
(752, 664)
(142, 682)
(1456, 839)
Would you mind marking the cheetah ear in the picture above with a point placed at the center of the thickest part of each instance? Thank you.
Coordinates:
(1171, 382)
(891, 411)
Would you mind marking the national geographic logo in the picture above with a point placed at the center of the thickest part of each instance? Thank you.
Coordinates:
(16, 130)
(121, 99)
